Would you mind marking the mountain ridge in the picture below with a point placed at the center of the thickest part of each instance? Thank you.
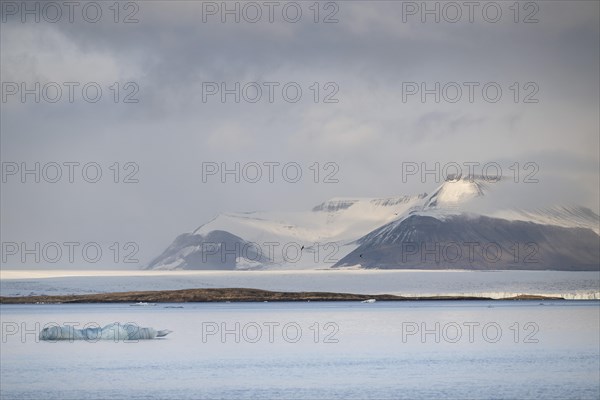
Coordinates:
(371, 233)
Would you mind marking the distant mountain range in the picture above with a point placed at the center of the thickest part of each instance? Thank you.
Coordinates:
(458, 226)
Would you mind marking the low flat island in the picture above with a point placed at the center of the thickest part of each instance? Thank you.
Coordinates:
(235, 294)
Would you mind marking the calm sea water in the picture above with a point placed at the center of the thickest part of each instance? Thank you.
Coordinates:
(581, 285)
(385, 350)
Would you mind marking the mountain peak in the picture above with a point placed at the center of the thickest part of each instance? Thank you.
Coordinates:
(455, 192)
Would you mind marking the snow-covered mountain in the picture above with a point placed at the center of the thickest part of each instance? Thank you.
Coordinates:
(316, 238)
(459, 225)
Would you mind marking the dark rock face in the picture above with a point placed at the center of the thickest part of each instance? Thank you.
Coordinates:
(476, 242)
(218, 250)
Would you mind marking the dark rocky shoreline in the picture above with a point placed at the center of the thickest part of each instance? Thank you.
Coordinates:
(231, 295)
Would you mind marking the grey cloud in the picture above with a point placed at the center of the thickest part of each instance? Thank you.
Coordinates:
(369, 53)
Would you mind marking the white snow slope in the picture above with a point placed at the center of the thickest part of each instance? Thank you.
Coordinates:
(321, 237)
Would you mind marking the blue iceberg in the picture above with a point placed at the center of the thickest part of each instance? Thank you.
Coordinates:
(114, 331)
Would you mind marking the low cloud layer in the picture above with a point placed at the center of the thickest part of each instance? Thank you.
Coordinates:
(357, 120)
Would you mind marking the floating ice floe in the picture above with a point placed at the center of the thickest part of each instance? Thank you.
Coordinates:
(114, 331)
(369, 301)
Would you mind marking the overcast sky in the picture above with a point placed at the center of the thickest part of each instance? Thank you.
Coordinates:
(366, 62)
